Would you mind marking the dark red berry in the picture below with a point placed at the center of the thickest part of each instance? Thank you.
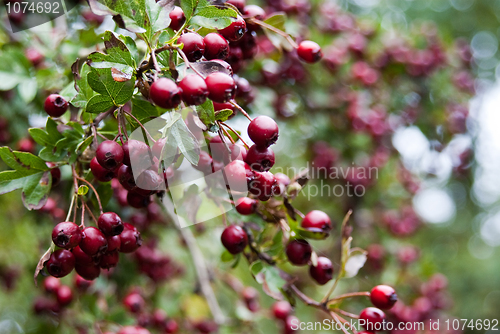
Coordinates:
(371, 318)
(171, 326)
(254, 11)
(281, 310)
(238, 152)
(109, 260)
(260, 159)
(205, 163)
(221, 87)
(238, 175)
(383, 297)
(216, 46)
(298, 252)
(246, 205)
(64, 295)
(110, 224)
(251, 298)
(263, 185)
(218, 149)
(244, 90)
(136, 151)
(137, 201)
(133, 330)
(134, 302)
(55, 105)
(194, 90)
(165, 93)
(56, 175)
(222, 106)
(130, 239)
(323, 272)
(66, 235)
(100, 173)
(309, 51)
(239, 4)
(235, 30)
(148, 182)
(90, 272)
(51, 284)
(113, 243)
(60, 263)
(93, 241)
(82, 258)
(34, 56)
(81, 283)
(109, 154)
(291, 325)
(126, 177)
(317, 221)
(26, 145)
(234, 239)
(194, 45)
(263, 131)
(177, 18)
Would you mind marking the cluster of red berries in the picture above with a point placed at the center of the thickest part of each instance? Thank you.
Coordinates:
(383, 297)
(282, 311)
(403, 222)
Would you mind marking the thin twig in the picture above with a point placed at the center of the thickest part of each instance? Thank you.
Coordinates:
(188, 63)
(274, 29)
(348, 295)
(227, 135)
(236, 133)
(82, 224)
(155, 64)
(347, 314)
(95, 192)
(337, 320)
(241, 109)
(140, 124)
(70, 207)
(90, 212)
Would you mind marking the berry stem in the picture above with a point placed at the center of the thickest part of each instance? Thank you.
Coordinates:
(347, 314)
(188, 63)
(332, 289)
(155, 64)
(82, 223)
(90, 212)
(340, 321)
(241, 109)
(70, 207)
(236, 133)
(140, 124)
(274, 29)
(348, 295)
(227, 134)
(93, 189)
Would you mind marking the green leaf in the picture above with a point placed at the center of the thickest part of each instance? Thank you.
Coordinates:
(99, 104)
(144, 110)
(277, 21)
(206, 112)
(24, 162)
(83, 190)
(214, 17)
(186, 141)
(85, 92)
(223, 115)
(41, 137)
(256, 268)
(115, 92)
(226, 256)
(36, 190)
(69, 92)
(13, 68)
(132, 47)
(189, 6)
(116, 53)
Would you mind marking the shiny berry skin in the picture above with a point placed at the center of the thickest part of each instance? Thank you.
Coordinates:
(93, 242)
(194, 46)
(246, 205)
(136, 151)
(260, 159)
(235, 30)
(239, 4)
(90, 272)
(383, 296)
(298, 252)
(109, 154)
(263, 131)
(221, 87)
(216, 46)
(82, 258)
(309, 51)
(55, 105)
(238, 152)
(110, 224)
(148, 182)
(254, 11)
(263, 186)
(109, 260)
(64, 295)
(134, 302)
(130, 239)
(238, 175)
(51, 284)
(234, 239)
(60, 263)
(114, 243)
(126, 177)
(137, 201)
(323, 272)
(281, 310)
(81, 283)
(165, 93)
(100, 173)
(317, 221)
(177, 18)
(373, 318)
(194, 90)
(66, 235)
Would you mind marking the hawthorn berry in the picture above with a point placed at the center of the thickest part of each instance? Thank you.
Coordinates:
(317, 221)
(238, 152)
(263, 131)
(221, 87)
(171, 326)
(323, 272)
(110, 224)
(235, 30)
(81, 283)
(281, 310)
(254, 11)
(113, 243)
(260, 159)
(34, 56)
(309, 51)
(251, 298)
(135, 150)
(90, 272)
(109, 260)
(82, 258)
(291, 322)
(109, 154)
(194, 90)
(126, 177)
(56, 174)
(138, 201)
(60, 263)
(239, 4)
(165, 93)
(194, 45)
(66, 235)
(133, 330)
(205, 163)
(93, 241)
(45, 305)
(246, 205)
(238, 175)
(130, 239)
(298, 252)
(218, 148)
(64, 295)
(234, 239)
(282, 181)
(177, 18)
(383, 296)
(263, 185)
(55, 105)
(51, 284)
(373, 318)
(148, 182)
(244, 90)
(134, 302)
(216, 46)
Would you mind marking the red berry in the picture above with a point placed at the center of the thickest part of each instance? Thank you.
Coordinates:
(260, 159)
(51, 284)
(165, 93)
(218, 148)
(282, 181)
(383, 297)
(66, 235)
(64, 295)
(89, 273)
(222, 106)
(130, 239)
(298, 252)
(55, 105)
(60, 263)
(134, 302)
(291, 322)
(56, 175)
(81, 283)
(239, 4)
(82, 258)
(34, 56)
(133, 330)
(235, 30)
(221, 87)
(216, 46)
(263, 186)
(194, 45)
(114, 243)
(234, 239)
(263, 131)
(246, 205)
(26, 145)
(205, 163)
(194, 90)
(309, 51)
(238, 152)
(244, 90)
(281, 310)
(238, 175)
(178, 18)
(136, 151)
(110, 224)
(93, 241)
(109, 260)
(254, 11)
(109, 154)
(100, 173)
(125, 176)
(323, 272)
(317, 221)
(373, 318)
(171, 326)
(138, 201)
